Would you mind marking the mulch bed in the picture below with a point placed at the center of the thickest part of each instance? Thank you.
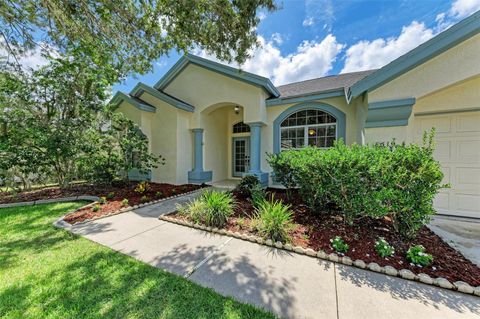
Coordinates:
(315, 229)
(156, 191)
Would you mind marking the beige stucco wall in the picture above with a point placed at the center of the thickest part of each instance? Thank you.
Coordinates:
(207, 90)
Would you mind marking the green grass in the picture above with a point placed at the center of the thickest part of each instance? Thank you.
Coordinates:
(49, 273)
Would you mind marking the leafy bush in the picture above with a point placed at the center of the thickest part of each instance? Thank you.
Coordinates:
(173, 191)
(102, 200)
(125, 202)
(96, 208)
(195, 210)
(246, 185)
(339, 245)
(383, 248)
(416, 255)
(110, 195)
(158, 194)
(219, 206)
(257, 195)
(144, 199)
(142, 187)
(393, 179)
(273, 220)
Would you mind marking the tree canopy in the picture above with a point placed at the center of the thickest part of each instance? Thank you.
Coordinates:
(128, 35)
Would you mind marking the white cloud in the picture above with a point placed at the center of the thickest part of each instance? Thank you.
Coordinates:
(365, 55)
(32, 59)
(277, 38)
(311, 59)
(463, 8)
(262, 15)
(308, 22)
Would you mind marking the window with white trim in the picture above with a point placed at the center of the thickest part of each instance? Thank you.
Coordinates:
(308, 128)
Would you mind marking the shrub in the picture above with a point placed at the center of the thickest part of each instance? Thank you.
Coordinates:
(102, 200)
(244, 188)
(241, 222)
(383, 248)
(195, 210)
(173, 191)
(339, 245)
(142, 187)
(125, 202)
(218, 207)
(392, 179)
(273, 220)
(96, 208)
(416, 255)
(158, 194)
(110, 195)
(144, 199)
(257, 195)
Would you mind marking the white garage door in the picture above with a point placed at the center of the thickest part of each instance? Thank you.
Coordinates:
(458, 150)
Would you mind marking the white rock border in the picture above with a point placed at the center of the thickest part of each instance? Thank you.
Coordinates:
(406, 274)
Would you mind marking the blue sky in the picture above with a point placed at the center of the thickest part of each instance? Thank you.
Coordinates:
(314, 38)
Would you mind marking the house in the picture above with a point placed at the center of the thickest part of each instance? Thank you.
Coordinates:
(213, 122)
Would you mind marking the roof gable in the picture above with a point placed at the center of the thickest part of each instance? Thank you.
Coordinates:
(426, 51)
(120, 97)
(140, 88)
(234, 73)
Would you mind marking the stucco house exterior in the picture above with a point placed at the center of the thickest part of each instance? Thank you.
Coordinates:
(213, 122)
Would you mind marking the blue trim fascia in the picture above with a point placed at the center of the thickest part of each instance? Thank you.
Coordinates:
(229, 71)
(140, 88)
(171, 74)
(391, 103)
(306, 98)
(426, 51)
(389, 113)
(339, 115)
(120, 96)
(197, 177)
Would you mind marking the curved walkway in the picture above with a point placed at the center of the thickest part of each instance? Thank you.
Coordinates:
(290, 285)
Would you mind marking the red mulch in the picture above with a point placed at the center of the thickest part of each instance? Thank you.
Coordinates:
(315, 229)
(119, 193)
(134, 198)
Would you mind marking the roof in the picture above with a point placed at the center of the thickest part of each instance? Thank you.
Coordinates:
(140, 88)
(324, 84)
(447, 39)
(142, 105)
(226, 70)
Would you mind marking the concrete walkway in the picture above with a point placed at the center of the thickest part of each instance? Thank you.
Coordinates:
(290, 285)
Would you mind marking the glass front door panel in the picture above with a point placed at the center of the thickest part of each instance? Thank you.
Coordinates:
(241, 156)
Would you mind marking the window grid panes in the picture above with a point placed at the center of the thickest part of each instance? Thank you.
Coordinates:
(241, 127)
(308, 127)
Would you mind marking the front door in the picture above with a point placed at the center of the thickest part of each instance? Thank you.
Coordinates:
(240, 156)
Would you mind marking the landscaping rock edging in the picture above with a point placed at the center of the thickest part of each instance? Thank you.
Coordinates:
(60, 223)
(51, 200)
(406, 274)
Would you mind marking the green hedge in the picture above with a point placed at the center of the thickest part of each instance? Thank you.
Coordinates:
(397, 180)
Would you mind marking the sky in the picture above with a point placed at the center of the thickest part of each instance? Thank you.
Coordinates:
(314, 38)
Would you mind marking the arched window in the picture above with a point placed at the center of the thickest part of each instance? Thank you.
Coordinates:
(241, 127)
(308, 128)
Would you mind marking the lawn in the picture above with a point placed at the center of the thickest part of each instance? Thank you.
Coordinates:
(49, 273)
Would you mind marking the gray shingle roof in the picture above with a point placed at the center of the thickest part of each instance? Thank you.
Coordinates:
(325, 84)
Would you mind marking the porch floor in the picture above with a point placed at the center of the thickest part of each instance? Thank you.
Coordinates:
(227, 184)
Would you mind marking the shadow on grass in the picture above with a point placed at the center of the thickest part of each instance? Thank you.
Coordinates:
(70, 277)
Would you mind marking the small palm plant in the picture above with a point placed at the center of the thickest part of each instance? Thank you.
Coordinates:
(273, 220)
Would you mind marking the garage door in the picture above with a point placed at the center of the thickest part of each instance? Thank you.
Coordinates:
(458, 150)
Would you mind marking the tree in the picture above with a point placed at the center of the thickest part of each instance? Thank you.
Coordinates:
(56, 120)
(128, 35)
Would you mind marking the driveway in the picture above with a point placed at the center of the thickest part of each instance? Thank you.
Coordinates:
(290, 285)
